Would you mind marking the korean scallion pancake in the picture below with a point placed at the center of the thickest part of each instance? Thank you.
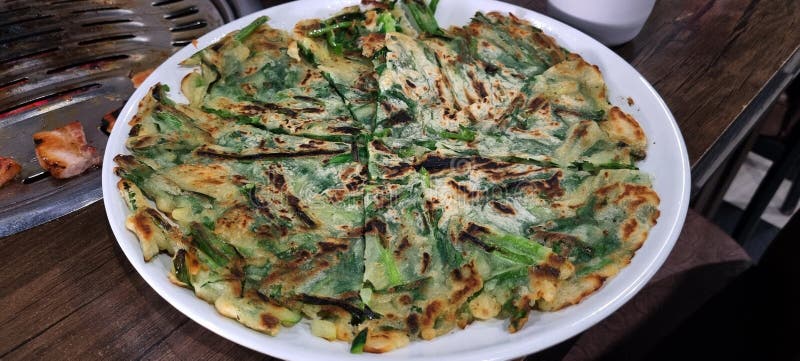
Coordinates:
(386, 179)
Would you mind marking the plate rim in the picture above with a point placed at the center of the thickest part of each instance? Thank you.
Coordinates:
(292, 351)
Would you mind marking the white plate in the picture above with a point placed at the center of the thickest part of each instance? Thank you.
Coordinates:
(667, 160)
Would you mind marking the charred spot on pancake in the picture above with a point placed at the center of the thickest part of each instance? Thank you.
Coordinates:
(378, 145)
(311, 144)
(402, 246)
(333, 247)
(426, 261)
(462, 189)
(142, 225)
(135, 129)
(502, 208)
(435, 164)
(471, 235)
(479, 87)
(294, 202)
(491, 69)
(345, 130)
(536, 103)
(277, 179)
(412, 321)
(375, 226)
(269, 321)
(546, 270)
(400, 117)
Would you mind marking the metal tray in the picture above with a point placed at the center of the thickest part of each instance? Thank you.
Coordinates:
(69, 60)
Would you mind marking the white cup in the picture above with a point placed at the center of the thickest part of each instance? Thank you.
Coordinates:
(612, 22)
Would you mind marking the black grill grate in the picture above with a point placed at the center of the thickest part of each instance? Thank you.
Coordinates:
(71, 60)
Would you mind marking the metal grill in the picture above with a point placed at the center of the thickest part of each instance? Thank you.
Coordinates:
(69, 60)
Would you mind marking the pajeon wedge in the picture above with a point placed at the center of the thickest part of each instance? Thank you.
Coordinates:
(500, 88)
(563, 117)
(386, 179)
(253, 77)
(331, 46)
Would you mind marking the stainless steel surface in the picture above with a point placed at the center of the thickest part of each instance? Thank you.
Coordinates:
(237, 8)
(71, 60)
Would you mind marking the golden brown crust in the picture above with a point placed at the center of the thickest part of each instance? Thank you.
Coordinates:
(371, 43)
(380, 341)
(621, 127)
(634, 199)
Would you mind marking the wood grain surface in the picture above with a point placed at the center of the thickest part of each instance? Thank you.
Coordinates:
(709, 59)
(68, 292)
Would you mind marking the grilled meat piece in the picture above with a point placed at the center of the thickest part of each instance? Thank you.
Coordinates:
(64, 151)
(8, 170)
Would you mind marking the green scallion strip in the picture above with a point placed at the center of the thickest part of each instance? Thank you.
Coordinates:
(392, 272)
(250, 28)
(329, 29)
(341, 159)
(387, 23)
(359, 341)
(433, 5)
(464, 134)
(200, 238)
(181, 270)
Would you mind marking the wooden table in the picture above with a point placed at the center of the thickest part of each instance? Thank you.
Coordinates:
(66, 290)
